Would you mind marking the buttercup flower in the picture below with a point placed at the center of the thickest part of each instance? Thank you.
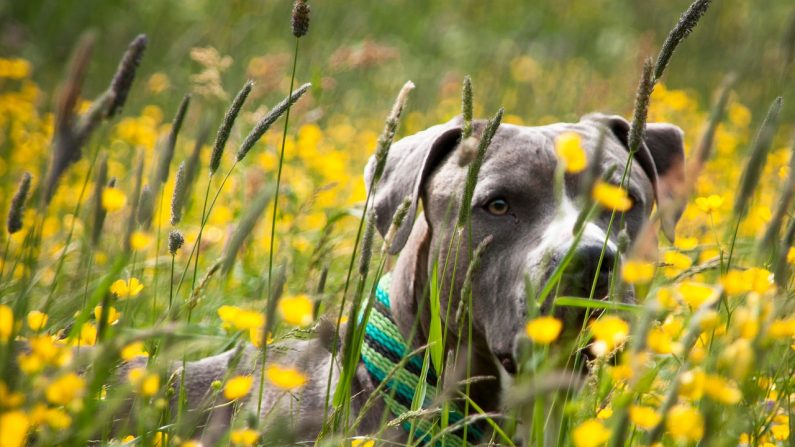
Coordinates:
(285, 377)
(568, 147)
(685, 423)
(126, 289)
(237, 387)
(611, 197)
(590, 433)
(113, 199)
(645, 418)
(609, 332)
(65, 389)
(637, 272)
(296, 310)
(544, 330)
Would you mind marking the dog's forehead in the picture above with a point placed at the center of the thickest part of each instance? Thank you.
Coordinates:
(532, 149)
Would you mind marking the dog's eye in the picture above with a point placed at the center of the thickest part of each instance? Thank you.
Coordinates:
(497, 207)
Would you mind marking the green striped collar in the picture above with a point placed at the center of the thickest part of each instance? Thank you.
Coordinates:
(383, 349)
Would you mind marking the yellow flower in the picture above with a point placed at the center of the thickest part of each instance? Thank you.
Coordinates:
(285, 377)
(10, 399)
(296, 310)
(241, 319)
(675, 262)
(609, 332)
(734, 283)
(721, 390)
(590, 433)
(709, 320)
(745, 323)
(113, 199)
(245, 437)
(780, 432)
(709, 204)
(57, 418)
(65, 389)
(659, 341)
(568, 147)
(644, 417)
(238, 387)
(362, 442)
(112, 316)
(6, 322)
(126, 289)
(637, 272)
(686, 243)
(14, 427)
(611, 197)
(158, 82)
(146, 383)
(782, 328)
(685, 423)
(791, 255)
(696, 294)
(691, 384)
(139, 240)
(88, 335)
(133, 350)
(44, 347)
(604, 413)
(37, 320)
(666, 298)
(760, 280)
(544, 330)
(738, 356)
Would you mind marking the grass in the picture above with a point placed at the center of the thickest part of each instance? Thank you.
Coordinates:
(704, 357)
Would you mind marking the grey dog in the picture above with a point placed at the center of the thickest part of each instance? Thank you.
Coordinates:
(530, 229)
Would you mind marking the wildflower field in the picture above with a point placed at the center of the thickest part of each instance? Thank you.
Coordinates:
(181, 179)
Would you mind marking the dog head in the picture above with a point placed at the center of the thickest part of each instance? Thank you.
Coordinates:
(515, 205)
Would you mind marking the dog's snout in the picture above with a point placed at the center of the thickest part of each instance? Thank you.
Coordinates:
(591, 269)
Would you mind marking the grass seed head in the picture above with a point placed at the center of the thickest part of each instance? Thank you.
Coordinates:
(367, 244)
(125, 73)
(226, 126)
(300, 18)
(466, 108)
(99, 210)
(164, 163)
(474, 167)
(66, 148)
(686, 23)
(146, 207)
(756, 161)
(178, 196)
(17, 207)
(175, 241)
(390, 127)
(645, 88)
(265, 123)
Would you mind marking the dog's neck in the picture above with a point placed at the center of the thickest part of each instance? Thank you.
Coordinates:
(412, 315)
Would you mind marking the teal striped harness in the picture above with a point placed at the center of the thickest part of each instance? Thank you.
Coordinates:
(383, 349)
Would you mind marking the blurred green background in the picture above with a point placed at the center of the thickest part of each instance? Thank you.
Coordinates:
(539, 59)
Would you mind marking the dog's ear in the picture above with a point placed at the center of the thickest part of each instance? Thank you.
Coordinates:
(409, 163)
(662, 157)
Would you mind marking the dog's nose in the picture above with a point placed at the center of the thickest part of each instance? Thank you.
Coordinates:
(585, 270)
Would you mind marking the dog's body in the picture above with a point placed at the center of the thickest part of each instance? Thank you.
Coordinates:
(530, 230)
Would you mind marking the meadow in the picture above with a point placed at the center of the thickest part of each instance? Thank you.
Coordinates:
(178, 193)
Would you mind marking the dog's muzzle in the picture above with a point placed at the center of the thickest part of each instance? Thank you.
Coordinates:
(591, 268)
